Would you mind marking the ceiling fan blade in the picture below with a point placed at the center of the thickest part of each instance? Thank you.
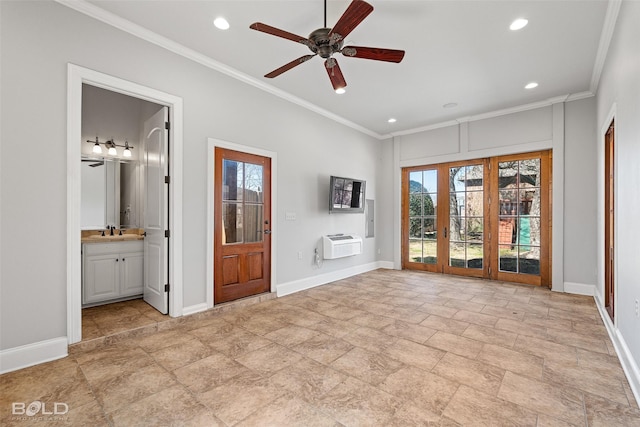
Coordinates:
(288, 66)
(335, 75)
(377, 54)
(259, 26)
(355, 14)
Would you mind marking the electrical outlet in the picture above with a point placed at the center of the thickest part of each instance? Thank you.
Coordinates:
(637, 309)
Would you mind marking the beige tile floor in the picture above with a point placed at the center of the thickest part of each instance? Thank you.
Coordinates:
(385, 348)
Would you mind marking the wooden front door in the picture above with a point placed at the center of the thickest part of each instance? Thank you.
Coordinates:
(242, 232)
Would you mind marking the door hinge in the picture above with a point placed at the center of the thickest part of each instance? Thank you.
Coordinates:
(167, 287)
(489, 271)
(167, 125)
(167, 233)
(167, 179)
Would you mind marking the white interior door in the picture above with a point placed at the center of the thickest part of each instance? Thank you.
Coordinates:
(155, 211)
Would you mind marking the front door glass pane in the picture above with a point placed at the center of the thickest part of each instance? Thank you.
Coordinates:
(242, 202)
(519, 216)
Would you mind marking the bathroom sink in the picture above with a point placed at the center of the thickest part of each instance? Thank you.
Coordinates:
(109, 238)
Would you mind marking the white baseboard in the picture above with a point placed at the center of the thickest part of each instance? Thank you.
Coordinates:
(579, 288)
(629, 364)
(386, 264)
(196, 308)
(24, 356)
(321, 279)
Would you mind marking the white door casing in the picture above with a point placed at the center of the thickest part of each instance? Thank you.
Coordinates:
(76, 76)
(155, 211)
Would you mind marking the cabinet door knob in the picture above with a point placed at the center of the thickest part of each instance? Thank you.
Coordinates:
(117, 260)
(122, 259)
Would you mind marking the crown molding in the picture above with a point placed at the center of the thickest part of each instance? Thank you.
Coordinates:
(136, 30)
(608, 27)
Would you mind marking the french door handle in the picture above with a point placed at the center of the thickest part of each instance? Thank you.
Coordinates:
(445, 232)
(267, 231)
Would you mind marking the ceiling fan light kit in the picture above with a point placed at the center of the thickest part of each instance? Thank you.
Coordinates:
(325, 42)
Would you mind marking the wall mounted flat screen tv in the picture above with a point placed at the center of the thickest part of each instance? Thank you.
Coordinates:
(346, 195)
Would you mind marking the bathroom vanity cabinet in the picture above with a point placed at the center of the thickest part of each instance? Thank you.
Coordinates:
(112, 271)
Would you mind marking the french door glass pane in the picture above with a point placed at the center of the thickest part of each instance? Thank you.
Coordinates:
(466, 205)
(423, 198)
(519, 220)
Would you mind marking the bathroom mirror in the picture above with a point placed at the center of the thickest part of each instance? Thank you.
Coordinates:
(110, 193)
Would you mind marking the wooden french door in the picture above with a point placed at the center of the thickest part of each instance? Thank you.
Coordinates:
(443, 218)
(482, 218)
(609, 288)
(242, 231)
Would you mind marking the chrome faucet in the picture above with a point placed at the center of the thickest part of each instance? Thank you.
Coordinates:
(111, 228)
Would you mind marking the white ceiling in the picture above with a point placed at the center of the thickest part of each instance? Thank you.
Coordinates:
(456, 52)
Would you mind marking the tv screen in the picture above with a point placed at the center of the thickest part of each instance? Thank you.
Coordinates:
(346, 195)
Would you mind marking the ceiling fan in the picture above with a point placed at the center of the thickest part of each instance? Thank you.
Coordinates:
(327, 41)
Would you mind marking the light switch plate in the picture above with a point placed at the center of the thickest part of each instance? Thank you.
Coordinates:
(290, 216)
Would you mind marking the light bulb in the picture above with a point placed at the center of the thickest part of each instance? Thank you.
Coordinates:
(97, 149)
(126, 152)
(112, 151)
(340, 90)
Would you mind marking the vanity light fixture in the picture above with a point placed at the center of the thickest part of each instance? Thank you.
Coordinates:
(110, 145)
(127, 151)
(111, 148)
(96, 147)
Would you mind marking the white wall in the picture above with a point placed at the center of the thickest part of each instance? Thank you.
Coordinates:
(620, 89)
(580, 193)
(35, 53)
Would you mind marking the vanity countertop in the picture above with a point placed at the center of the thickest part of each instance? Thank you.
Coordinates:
(95, 236)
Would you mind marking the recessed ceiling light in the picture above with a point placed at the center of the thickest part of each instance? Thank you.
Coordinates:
(221, 23)
(518, 24)
(392, 120)
(531, 85)
(340, 90)
(450, 105)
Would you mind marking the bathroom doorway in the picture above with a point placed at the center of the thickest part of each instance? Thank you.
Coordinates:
(164, 276)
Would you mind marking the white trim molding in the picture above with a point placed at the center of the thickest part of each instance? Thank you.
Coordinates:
(629, 364)
(322, 279)
(608, 27)
(76, 77)
(136, 30)
(27, 355)
(579, 288)
(193, 309)
(212, 143)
